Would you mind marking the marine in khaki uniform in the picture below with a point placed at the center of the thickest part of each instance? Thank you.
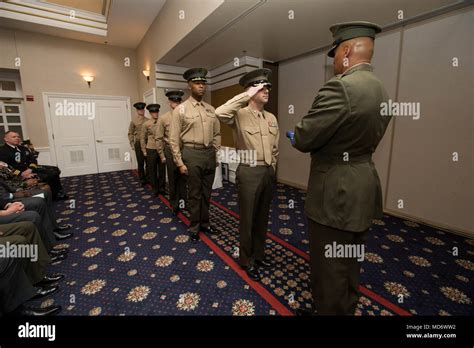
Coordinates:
(255, 130)
(176, 187)
(134, 138)
(195, 139)
(155, 168)
(341, 131)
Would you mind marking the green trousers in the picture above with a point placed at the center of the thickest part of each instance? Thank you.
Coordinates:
(155, 171)
(201, 164)
(141, 162)
(334, 280)
(27, 233)
(255, 187)
(176, 184)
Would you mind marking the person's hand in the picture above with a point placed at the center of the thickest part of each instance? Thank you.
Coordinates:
(291, 135)
(163, 160)
(183, 170)
(144, 154)
(15, 207)
(20, 206)
(254, 89)
(27, 173)
(31, 182)
(218, 164)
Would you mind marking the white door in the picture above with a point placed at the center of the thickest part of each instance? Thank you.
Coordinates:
(111, 135)
(89, 134)
(73, 136)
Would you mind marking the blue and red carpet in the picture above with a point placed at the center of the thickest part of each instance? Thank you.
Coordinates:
(130, 256)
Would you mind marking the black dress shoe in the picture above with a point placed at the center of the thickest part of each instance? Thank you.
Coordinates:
(195, 237)
(62, 196)
(176, 211)
(45, 291)
(41, 312)
(263, 264)
(50, 278)
(62, 228)
(300, 312)
(253, 273)
(209, 230)
(54, 252)
(62, 236)
(59, 257)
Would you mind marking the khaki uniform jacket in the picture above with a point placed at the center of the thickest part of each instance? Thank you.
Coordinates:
(135, 128)
(342, 130)
(147, 135)
(162, 134)
(193, 123)
(251, 131)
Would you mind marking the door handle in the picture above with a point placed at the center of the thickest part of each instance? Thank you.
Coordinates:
(99, 141)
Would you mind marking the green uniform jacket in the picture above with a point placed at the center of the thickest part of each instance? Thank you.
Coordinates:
(342, 130)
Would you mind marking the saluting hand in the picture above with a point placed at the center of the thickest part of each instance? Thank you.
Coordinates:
(254, 89)
(183, 170)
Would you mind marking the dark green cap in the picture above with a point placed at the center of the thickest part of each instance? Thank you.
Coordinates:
(174, 95)
(349, 30)
(153, 107)
(139, 105)
(256, 77)
(195, 74)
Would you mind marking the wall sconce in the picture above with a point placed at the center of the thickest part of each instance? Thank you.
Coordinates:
(147, 74)
(88, 79)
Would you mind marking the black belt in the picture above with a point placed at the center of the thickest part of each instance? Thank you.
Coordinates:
(198, 146)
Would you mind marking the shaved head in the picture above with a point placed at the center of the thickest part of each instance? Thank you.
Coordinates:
(351, 52)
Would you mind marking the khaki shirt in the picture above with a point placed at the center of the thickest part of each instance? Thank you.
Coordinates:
(147, 135)
(162, 133)
(253, 130)
(135, 128)
(193, 123)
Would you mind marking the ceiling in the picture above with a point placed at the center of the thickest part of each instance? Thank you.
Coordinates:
(263, 28)
(127, 23)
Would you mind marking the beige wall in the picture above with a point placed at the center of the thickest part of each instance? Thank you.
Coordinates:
(155, 44)
(52, 64)
(414, 157)
(432, 186)
(299, 82)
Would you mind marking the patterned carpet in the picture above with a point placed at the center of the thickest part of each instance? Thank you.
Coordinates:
(130, 256)
(402, 257)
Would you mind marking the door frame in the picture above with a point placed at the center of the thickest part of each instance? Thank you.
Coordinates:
(47, 115)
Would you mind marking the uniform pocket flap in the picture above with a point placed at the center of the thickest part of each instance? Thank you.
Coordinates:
(252, 130)
(273, 129)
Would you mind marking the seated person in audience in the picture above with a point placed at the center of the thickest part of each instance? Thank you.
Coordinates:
(18, 275)
(38, 204)
(25, 164)
(22, 187)
(15, 212)
(29, 145)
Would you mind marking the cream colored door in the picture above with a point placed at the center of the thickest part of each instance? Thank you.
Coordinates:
(111, 140)
(73, 136)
